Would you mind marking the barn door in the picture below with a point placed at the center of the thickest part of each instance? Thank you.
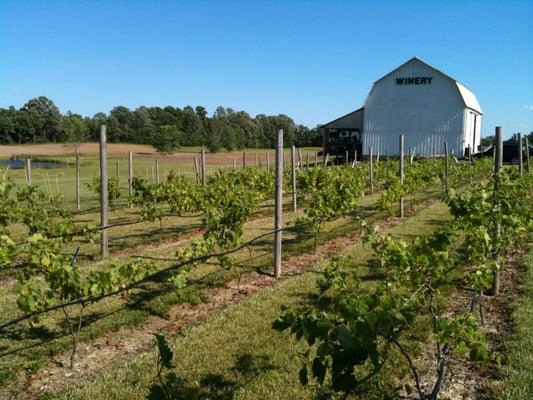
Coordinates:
(474, 125)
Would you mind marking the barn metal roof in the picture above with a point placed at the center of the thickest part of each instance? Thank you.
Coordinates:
(468, 97)
(347, 121)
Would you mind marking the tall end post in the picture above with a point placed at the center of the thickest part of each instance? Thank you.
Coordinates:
(446, 168)
(278, 217)
(104, 248)
(498, 157)
(520, 155)
(401, 172)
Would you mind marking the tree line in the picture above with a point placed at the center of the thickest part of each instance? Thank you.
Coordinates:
(166, 128)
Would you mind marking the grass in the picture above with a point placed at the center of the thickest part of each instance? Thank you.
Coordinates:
(62, 180)
(518, 371)
(235, 354)
(30, 348)
(23, 349)
(112, 313)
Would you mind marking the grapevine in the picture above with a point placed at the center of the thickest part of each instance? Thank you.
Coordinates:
(350, 333)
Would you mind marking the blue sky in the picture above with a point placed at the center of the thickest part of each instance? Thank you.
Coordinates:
(311, 60)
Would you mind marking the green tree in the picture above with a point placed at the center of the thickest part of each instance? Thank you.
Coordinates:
(25, 127)
(42, 120)
(94, 125)
(246, 129)
(214, 135)
(119, 125)
(229, 138)
(7, 125)
(75, 130)
(167, 138)
(142, 126)
(193, 128)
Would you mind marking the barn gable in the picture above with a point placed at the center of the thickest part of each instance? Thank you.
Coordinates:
(427, 106)
(414, 83)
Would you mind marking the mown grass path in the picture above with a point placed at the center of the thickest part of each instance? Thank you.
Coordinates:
(235, 353)
(30, 350)
(518, 369)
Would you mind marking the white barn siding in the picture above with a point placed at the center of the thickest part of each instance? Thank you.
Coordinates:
(427, 114)
(472, 118)
(430, 109)
(472, 131)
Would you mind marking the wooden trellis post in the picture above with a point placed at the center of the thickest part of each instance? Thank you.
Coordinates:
(130, 176)
(520, 155)
(202, 167)
(446, 168)
(293, 168)
(470, 177)
(278, 222)
(104, 248)
(196, 171)
(498, 156)
(527, 155)
(371, 171)
(78, 200)
(28, 171)
(354, 158)
(401, 173)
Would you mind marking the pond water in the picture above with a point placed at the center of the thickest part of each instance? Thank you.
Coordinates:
(21, 164)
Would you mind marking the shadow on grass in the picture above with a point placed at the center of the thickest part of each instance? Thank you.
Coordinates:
(158, 233)
(212, 386)
(45, 335)
(153, 299)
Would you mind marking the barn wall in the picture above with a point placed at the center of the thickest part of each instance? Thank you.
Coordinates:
(469, 129)
(478, 131)
(467, 136)
(427, 114)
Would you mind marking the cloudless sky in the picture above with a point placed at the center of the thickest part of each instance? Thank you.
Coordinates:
(311, 60)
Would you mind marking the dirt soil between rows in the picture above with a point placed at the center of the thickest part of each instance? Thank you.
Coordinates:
(463, 379)
(129, 343)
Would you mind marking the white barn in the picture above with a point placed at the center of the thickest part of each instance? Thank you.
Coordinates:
(424, 104)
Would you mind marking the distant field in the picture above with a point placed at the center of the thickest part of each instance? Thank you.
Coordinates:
(58, 149)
